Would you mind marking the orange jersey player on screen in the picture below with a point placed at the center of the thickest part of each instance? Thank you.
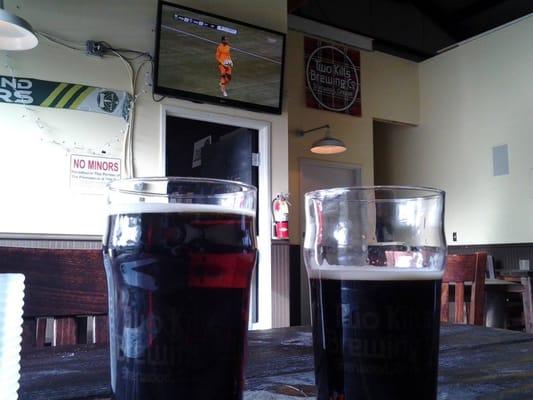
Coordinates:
(225, 64)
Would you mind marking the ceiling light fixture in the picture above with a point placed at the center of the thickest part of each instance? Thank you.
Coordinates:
(326, 145)
(15, 32)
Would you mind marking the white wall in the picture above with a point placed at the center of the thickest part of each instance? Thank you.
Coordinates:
(474, 97)
(124, 24)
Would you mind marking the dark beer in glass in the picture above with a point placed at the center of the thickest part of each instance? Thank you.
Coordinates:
(374, 258)
(179, 254)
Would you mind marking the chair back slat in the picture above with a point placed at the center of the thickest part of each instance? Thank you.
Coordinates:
(459, 302)
(64, 331)
(40, 332)
(101, 329)
(30, 332)
(445, 306)
(460, 269)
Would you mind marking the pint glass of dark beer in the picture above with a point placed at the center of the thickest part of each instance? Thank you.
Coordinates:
(179, 254)
(374, 258)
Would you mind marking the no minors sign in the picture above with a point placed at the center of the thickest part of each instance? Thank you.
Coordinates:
(90, 174)
(332, 74)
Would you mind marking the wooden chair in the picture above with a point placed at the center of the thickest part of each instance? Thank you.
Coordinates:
(64, 287)
(460, 269)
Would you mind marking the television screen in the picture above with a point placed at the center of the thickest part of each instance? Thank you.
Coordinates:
(203, 57)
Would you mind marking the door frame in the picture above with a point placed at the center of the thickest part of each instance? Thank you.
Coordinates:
(304, 285)
(264, 129)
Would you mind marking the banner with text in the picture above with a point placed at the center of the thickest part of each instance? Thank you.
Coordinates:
(332, 74)
(36, 92)
(90, 174)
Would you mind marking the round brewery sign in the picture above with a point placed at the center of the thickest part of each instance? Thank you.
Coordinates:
(333, 79)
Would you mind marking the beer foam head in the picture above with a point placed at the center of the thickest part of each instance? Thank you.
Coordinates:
(373, 273)
(145, 208)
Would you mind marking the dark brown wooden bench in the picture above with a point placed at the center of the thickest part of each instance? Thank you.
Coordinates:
(65, 288)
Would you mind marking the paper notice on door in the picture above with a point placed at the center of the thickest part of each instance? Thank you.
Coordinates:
(197, 151)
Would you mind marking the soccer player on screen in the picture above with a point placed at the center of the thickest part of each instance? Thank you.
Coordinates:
(225, 64)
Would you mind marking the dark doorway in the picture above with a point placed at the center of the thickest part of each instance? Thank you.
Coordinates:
(384, 136)
(204, 149)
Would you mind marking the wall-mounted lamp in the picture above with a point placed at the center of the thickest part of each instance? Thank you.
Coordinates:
(326, 145)
(15, 32)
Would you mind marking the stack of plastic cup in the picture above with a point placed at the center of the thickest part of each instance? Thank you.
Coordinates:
(11, 303)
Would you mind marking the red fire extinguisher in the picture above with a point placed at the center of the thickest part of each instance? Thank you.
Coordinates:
(280, 212)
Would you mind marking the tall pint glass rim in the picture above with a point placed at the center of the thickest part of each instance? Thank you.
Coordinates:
(113, 186)
(400, 193)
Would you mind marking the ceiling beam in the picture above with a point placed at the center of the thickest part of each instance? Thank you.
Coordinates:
(437, 17)
(474, 9)
(294, 5)
(329, 32)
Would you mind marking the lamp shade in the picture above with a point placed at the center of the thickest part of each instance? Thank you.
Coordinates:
(328, 145)
(15, 33)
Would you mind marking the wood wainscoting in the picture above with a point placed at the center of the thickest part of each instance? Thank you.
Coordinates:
(281, 312)
(506, 256)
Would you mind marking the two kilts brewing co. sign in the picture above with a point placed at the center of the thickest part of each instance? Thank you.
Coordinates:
(332, 74)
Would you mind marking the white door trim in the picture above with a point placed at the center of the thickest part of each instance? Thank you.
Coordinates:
(264, 129)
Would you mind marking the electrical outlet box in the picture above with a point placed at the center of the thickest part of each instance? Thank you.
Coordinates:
(454, 236)
(94, 48)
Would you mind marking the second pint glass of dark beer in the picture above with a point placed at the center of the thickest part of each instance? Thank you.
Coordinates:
(375, 257)
(179, 254)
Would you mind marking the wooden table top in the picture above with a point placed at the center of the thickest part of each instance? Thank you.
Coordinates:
(475, 363)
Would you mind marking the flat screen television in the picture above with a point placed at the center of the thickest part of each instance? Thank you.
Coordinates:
(208, 58)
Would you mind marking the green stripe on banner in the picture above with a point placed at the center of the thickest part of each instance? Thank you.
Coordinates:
(81, 97)
(80, 90)
(67, 96)
(61, 94)
(53, 95)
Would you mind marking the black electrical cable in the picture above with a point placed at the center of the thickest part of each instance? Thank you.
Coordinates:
(138, 52)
